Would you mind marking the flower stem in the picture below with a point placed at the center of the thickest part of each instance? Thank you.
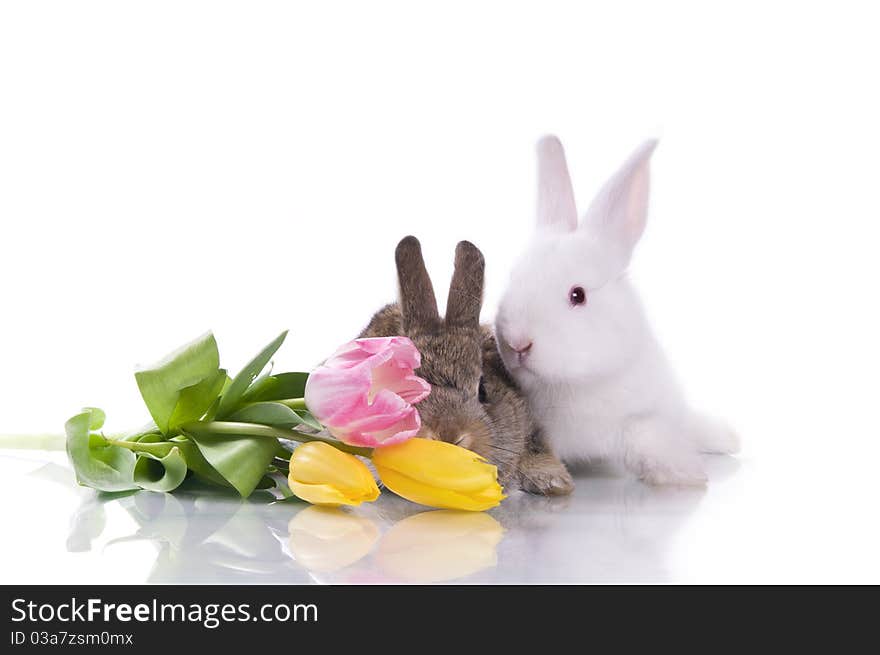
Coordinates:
(294, 403)
(233, 429)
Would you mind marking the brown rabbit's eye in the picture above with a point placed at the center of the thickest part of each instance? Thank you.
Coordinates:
(481, 392)
(577, 296)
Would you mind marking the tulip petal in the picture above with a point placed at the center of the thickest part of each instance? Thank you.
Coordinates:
(400, 381)
(322, 474)
(399, 433)
(318, 494)
(326, 495)
(377, 349)
(401, 349)
(419, 492)
(331, 394)
(349, 479)
(388, 420)
(439, 464)
(402, 430)
(364, 393)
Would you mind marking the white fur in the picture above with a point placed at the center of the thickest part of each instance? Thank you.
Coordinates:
(596, 378)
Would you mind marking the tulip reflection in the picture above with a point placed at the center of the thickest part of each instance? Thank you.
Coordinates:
(326, 539)
(439, 545)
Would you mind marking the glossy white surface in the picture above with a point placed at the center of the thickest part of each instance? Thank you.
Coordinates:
(745, 527)
(207, 165)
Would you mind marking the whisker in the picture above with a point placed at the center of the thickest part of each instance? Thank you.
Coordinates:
(507, 450)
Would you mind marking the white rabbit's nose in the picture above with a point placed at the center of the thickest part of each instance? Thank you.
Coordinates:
(521, 348)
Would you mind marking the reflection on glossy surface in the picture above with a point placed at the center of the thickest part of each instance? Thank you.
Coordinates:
(619, 531)
(439, 545)
(430, 546)
(326, 539)
(204, 538)
(612, 529)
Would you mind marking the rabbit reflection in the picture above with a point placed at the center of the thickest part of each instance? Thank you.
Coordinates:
(612, 530)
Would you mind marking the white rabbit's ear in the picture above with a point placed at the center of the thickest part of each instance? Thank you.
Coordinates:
(620, 210)
(556, 208)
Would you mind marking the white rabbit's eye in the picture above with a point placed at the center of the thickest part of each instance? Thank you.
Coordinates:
(577, 296)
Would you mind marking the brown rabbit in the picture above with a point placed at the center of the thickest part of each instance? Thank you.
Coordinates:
(473, 401)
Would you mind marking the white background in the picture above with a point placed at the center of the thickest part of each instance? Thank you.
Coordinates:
(172, 167)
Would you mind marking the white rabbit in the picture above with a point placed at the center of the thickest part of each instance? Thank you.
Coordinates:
(572, 331)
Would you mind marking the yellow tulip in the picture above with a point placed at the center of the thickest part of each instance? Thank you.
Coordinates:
(324, 475)
(438, 474)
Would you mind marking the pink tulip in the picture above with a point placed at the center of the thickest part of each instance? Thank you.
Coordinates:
(364, 394)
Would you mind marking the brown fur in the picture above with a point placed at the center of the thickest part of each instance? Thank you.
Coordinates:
(474, 402)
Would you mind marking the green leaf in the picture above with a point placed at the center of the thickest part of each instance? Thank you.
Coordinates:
(267, 414)
(194, 401)
(160, 473)
(309, 420)
(197, 463)
(261, 378)
(96, 417)
(97, 465)
(236, 429)
(231, 398)
(162, 384)
(277, 387)
(212, 410)
(241, 460)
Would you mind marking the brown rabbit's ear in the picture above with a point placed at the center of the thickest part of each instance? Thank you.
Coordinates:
(466, 289)
(418, 305)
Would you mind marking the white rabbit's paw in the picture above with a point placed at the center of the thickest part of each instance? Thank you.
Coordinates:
(666, 467)
(654, 451)
(545, 475)
(714, 436)
(689, 473)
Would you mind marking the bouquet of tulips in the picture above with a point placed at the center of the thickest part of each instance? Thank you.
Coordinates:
(238, 431)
